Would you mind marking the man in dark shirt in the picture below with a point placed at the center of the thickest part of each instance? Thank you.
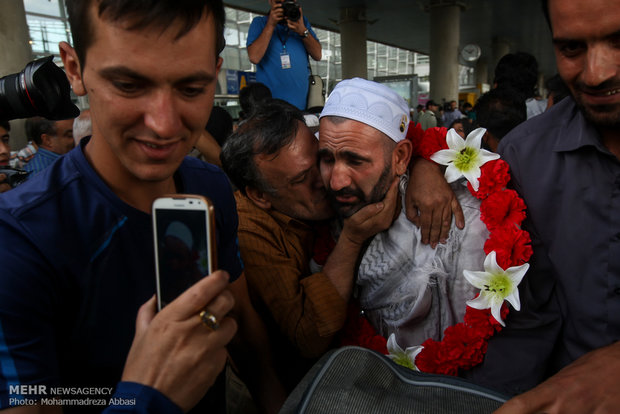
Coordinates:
(565, 164)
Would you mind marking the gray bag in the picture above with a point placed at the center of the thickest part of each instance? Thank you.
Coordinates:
(316, 93)
(359, 381)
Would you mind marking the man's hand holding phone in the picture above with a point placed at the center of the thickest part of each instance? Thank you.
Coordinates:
(174, 351)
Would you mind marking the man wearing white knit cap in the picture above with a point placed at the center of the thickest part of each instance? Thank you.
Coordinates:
(405, 287)
(360, 121)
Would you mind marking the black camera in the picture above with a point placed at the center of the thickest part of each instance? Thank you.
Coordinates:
(41, 89)
(14, 177)
(291, 10)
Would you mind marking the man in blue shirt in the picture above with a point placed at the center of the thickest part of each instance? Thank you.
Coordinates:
(77, 239)
(279, 47)
(54, 138)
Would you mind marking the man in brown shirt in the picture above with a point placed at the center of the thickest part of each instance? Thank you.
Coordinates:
(272, 159)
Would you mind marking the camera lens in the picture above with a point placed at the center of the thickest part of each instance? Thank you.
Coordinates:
(40, 89)
(14, 103)
(14, 177)
(291, 10)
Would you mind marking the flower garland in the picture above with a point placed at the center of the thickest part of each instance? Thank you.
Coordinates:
(508, 249)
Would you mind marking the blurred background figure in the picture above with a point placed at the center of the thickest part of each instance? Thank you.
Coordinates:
(218, 129)
(462, 126)
(519, 71)
(250, 99)
(428, 118)
(21, 157)
(5, 150)
(415, 115)
(451, 113)
(54, 138)
(9, 177)
(557, 90)
(499, 111)
(468, 112)
(5, 153)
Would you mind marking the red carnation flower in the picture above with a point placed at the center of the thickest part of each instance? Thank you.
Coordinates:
(415, 133)
(511, 244)
(430, 359)
(470, 346)
(494, 177)
(482, 322)
(502, 209)
(434, 140)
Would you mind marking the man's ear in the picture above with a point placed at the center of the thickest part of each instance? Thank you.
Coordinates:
(490, 141)
(46, 141)
(73, 68)
(219, 65)
(401, 155)
(258, 198)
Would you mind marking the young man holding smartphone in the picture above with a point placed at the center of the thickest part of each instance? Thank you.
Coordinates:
(78, 261)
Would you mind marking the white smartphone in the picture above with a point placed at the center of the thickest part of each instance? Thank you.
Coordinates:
(184, 237)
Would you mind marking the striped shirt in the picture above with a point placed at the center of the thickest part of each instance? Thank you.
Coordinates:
(41, 160)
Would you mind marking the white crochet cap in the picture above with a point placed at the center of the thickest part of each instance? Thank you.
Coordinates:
(311, 120)
(181, 232)
(371, 103)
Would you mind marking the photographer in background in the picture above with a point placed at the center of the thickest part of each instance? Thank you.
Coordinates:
(279, 45)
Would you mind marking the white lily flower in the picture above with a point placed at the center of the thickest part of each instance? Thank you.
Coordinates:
(464, 157)
(496, 285)
(405, 358)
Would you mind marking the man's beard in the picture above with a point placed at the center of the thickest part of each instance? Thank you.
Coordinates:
(605, 116)
(377, 194)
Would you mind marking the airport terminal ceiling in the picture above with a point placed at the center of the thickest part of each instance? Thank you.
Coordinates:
(406, 24)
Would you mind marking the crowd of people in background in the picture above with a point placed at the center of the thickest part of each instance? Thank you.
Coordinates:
(321, 221)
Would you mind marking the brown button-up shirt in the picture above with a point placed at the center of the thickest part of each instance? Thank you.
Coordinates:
(304, 307)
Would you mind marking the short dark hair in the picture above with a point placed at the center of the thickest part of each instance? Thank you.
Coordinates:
(272, 126)
(37, 126)
(557, 88)
(518, 71)
(141, 14)
(5, 124)
(251, 96)
(220, 124)
(467, 125)
(499, 111)
(545, 9)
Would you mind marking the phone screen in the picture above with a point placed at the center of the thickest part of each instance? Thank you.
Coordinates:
(182, 253)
